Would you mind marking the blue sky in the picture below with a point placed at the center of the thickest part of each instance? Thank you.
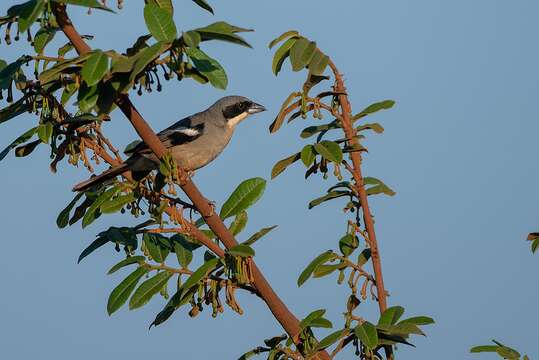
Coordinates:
(460, 149)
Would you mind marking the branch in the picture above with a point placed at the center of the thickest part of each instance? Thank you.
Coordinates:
(283, 315)
(363, 198)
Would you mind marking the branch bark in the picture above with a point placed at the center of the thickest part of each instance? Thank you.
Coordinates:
(278, 308)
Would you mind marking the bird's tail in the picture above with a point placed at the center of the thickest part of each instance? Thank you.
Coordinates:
(109, 174)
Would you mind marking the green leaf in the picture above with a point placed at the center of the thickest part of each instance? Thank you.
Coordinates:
(164, 4)
(321, 323)
(200, 273)
(418, 320)
(29, 12)
(281, 54)
(158, 246)
(17, 108)
(329, 150)
(94, 4)
(331, 339)
(42, 38)
(121, 293)
(63, 218)
(183, 249)
(391, 315)
(281, 165)
(160, 23)
(242, 250)
(148, 289)
(224, 32)
(87, 97)
(301, 53)
(378, 188)
(26, 149)
(319, 260)
(363, 257)
(239, 223)
(245, 195)
(191, 38)
(255, 237)
(318, 63)
(282, 37)
(313, 130)
(386, 104)
(21, 139)
(95, 68)
(203, 4)
(96, 244)
(54, 72)
(329, 196)
(311, 317)
(323, 270)
(377, 128)
(508, 353)
(44, 132)
(125, 262)
(145, 57)
(348, 243)
(93, 211)
(116, 204)
(367, 334)
(308, 155)
(484, 348)
(208, 67)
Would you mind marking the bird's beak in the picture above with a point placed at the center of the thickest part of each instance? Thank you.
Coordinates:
(255, 108)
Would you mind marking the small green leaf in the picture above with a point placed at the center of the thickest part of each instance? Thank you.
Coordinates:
(158, 246)
(239, 223)
(484, 348)
(363, 257)
(329, 150)
(183, 249)
(255, 237)
(391, 315)
(121, 293)
(281, 54)
(125, 262)
(208, 67)
(348, 243)
(200, 273)
(331, 339)
(418, 320)
(93, 211)
(145, 57)
(329, 196)
(321, 323)
(203, 4)
(191, 38)
(281, 165)
(318, 63)
(116, 204)
(44, 132)
(386, 104)
(95, 68)
(29, 12)
(311, 317)
(313, 130)
(319, 260)
(63, 218)
(508, 353)
(96, 244)
(164, 4)
(378, 188)
(323, 270)
(308, 155)
(245, 195)
(377, 128)
(301, 53)
(367, 334)
(19, 107)
(242, 250)
(160, 23)
(148, 289)
(42, 38)
(283, 36)
(26, 149)
(224, 32)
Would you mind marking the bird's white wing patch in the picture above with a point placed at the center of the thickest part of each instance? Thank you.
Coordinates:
(188, 131)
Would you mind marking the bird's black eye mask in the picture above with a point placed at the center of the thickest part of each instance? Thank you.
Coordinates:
(232, 111)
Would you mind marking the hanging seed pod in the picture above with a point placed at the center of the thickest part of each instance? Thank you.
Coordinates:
(7, 37)
(29, 36)
(17, 36)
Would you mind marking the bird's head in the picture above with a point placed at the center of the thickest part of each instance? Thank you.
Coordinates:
(236, 108)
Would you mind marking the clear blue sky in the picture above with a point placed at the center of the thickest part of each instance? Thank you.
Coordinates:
(460, 149)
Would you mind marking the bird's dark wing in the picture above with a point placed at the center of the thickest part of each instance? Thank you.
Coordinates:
(180, 133)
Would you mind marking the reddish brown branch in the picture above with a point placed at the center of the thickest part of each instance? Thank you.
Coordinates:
(283, 315)
(355, 156)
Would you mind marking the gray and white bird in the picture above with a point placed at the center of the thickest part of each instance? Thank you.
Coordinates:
(193, 141)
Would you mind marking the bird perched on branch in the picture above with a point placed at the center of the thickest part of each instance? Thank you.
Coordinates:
(193, 141)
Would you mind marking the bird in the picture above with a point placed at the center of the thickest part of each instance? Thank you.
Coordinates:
(193, 142)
